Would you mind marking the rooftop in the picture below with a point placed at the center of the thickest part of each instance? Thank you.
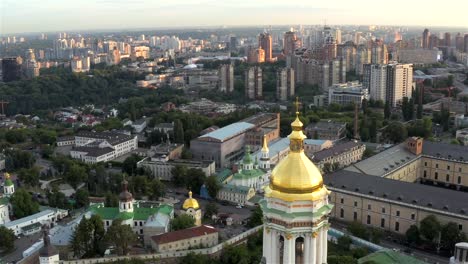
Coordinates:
(385, 161)
(335, 150)
(30, 218)
(445, 151)
(93, 151)
(114, 138)
(326, 125)
(405, 192)
(184, 234)
(235, 189)
(389, 256)
(229, 131)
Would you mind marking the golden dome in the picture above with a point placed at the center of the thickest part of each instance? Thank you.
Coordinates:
(296, 177)
(190, 203)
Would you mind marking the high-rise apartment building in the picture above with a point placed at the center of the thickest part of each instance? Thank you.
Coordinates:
(379, 53)
(265, 43)
(233, 43)
(285, 84)
(289, 43)
(388, 83)
(425, 39)
(11, 69)
(256, 55)
(253, 83)
(226, 78)
(447, 39)
(433, 41)
(459, 42)
(465, 43)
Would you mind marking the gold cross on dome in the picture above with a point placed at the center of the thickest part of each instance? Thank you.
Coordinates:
(297, 104)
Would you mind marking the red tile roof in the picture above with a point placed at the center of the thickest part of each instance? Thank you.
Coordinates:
(184, 234)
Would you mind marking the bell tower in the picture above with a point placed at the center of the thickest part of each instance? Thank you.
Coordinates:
(265, 159)
(295, 208)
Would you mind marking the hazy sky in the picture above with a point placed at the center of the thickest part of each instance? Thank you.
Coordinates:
(57, 15)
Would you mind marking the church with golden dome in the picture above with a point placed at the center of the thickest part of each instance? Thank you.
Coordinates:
(295, 208)
(192, 208)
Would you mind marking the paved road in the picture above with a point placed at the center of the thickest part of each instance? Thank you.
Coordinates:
(21, 245)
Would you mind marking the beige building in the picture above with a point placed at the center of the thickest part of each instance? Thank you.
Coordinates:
(285, 85)
(434, 163)
(390, 204)
(253, 83)
(226, 78)
(200, 236)
(342, 154)
(326, 129)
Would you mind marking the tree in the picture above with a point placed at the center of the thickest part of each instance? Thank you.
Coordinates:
(210, 210)
(396, 132)
(75, 175)
(18, 159)
(179, 175)
(120, 236)
(387, 110)
(112, 200)
(178, 131)
(87, 237)
(373, 130)
(341, 260)
(213, 186)
(195, 179)
(82, 198)
(412, 235)
(235, 255)
(22, 204)
(129, 165)
(193, 258)
(8, 239)
(256, 218)
(29, 176)
(451, 235)
(358, 230)
(183, 221)
(157, 189)
(344, 242)
(430, 228)
(57, 199)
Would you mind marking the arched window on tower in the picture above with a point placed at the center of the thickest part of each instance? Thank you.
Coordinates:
(281, 249)
(299, 250)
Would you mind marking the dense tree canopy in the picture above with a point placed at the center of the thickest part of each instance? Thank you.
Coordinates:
(22, 204)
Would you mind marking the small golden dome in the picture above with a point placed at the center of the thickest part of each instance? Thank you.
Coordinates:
(296, 177)
(190, 203)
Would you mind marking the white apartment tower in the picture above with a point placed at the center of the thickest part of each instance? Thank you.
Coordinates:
(226, 78)
(253, 83)
(285, 84)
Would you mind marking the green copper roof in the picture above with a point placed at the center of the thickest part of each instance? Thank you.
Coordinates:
(125, 216)
(235, 189)
(247, 157)
(389, 256)
(139, 213)
(323, 210)
(249, 174)
(109, 213)
(4, 200)
(224, 174)
(8, 182)
(144, 213)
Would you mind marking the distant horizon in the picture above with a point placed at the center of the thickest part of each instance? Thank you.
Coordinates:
(225, 27)
(35, 16)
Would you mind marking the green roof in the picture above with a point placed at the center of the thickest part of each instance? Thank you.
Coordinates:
(388, 256)
(4, 200)
(139, 213)
(249, 174)
(247, 158)
(144, 213)
(8, 182)
(105, 212)
(323, 210)
(235, 189)
(224, 174)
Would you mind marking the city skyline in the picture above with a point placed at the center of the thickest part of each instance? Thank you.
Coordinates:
(102, 14)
